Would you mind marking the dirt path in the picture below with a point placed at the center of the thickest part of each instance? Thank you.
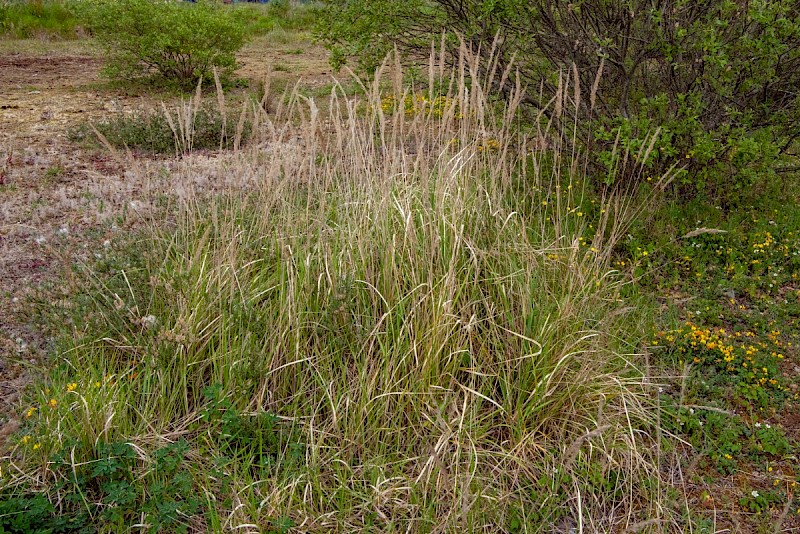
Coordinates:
(61, 203)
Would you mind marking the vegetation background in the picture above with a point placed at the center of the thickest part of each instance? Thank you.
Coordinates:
(532, 267)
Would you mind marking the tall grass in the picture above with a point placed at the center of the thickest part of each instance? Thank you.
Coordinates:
(399, 285)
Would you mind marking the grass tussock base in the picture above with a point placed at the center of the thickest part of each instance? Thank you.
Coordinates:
(397, 331)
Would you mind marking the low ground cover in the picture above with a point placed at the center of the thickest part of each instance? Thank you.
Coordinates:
(729, 333)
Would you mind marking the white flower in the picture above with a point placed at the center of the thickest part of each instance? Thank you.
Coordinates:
(767, 425)
(754, 493)
(149, 321)
(41, 240)
(758, 425)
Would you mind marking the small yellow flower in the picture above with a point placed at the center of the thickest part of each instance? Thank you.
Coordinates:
(29, 413)
(728, 457)
(53, 403)
(26, 439)
(97, 384)
(72, 386)
(37, 446)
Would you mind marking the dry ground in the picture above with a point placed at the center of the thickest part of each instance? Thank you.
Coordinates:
(61, 203)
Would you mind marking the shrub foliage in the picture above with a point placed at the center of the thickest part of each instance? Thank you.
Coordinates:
(176, 41)
(719, 77)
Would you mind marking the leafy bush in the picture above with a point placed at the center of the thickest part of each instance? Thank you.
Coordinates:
(178, 42)
(24, 20)
(718, 76)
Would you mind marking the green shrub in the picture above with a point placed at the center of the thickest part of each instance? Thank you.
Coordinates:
(718, 76)
(23, 20)
(177, 42)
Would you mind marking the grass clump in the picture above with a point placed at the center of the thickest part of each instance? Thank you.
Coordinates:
(396, 328)
(151, 132)
(190, 126)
